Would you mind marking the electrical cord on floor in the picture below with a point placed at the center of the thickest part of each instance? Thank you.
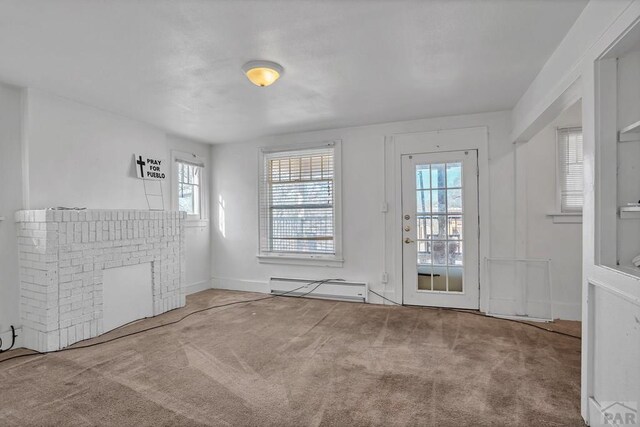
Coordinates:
(384, 298)
(13, 340)
(483, 315)
(318, 283)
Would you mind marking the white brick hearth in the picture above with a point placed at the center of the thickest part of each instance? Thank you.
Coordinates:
(62, 258)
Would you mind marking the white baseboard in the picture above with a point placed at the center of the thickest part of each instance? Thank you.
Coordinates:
(561, 310)
(520, 318)
(390, 294)
(240, 285)
(6, 339)
(567, 311)
(197, 287)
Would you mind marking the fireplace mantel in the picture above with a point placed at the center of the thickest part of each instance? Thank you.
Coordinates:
(63, 254)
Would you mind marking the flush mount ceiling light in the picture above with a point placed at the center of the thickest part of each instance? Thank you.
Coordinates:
(262, 73)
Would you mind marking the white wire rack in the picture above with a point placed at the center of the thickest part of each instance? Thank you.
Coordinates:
(519, 288)
(155, 198)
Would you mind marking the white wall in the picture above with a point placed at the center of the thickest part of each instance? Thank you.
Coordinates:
(610, 299)
(82, 156)
(628, 88)
(197, 234)
(564, 65)
(79, 156)
(235, 180)
(559, 242)
(10, 201)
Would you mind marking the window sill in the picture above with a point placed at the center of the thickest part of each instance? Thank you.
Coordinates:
(566, 217)
(319, 261)
(196, 222)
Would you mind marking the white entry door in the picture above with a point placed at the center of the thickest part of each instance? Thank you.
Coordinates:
(440, 229)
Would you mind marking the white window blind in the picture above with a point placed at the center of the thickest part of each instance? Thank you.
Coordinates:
(297, 201)
(570, 168)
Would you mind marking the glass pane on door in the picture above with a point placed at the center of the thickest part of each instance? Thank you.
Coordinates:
(439, 215)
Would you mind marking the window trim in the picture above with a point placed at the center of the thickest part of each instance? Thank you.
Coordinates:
(559, 216)
(300, 258)
(202, 219)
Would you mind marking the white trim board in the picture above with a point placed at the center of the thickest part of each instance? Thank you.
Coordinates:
(390, 294)
(328, 260)
(197, 287)
(568, 97)
(565, 218)
(202, 219)
(469, 138)
(240, 285)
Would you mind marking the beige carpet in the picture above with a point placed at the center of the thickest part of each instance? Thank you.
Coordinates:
(298, 362)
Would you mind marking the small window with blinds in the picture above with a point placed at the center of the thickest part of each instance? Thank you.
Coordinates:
(298, 202)
(571, 186)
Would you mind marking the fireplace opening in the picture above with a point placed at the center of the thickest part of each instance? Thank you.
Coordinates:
(127, 295)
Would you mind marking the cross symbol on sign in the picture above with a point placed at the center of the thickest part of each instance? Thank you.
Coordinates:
(141, 163)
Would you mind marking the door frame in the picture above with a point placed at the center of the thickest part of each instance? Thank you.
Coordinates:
(471, 138)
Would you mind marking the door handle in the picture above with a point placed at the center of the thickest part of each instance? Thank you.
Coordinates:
(408, 240)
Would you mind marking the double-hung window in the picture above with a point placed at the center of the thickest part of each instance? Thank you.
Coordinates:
(188, 192)
(570, 185)
(189, 188)
(299, 203)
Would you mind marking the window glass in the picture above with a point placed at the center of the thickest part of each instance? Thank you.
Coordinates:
(189, 188)
(297, 202)
(570, 160)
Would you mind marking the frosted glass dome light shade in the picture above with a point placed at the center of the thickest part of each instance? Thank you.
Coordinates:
(262, 73)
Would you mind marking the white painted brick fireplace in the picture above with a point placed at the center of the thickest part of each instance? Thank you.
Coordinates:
(63, 254)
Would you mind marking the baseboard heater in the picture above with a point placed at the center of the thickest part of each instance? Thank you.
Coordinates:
(332, 289)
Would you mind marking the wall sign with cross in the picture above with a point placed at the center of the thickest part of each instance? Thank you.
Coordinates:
(152, 171)
(148, 167)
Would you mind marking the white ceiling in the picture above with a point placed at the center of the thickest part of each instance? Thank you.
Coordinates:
(177, 64)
